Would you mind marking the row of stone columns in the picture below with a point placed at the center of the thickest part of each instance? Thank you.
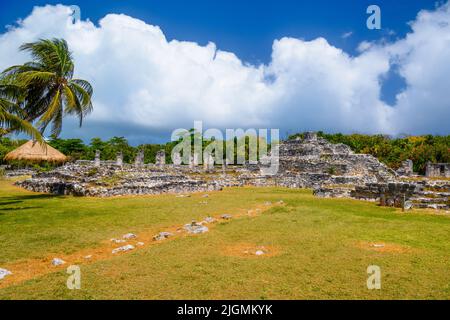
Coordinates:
(208, 164)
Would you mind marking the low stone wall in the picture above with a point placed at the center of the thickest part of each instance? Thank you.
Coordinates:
(82, 179)
(391, 194)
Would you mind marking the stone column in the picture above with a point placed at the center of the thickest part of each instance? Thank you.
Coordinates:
(196, 159)
(160, 158)
(310, 136)
(191, 162)
(429, 172)
(119, 159)
(205, 164)
(97, 158)
(409, 167)
(139, 161)
(177, 159)
(208, 162)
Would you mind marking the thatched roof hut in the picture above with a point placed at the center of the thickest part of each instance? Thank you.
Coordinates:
(35, 152)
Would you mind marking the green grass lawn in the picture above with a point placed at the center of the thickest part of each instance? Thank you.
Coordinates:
(319, 248)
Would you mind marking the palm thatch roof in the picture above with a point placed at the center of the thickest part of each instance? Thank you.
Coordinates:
(36, 152)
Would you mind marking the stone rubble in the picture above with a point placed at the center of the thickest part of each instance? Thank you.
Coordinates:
(128, 247)
(4, 273)
(129, 236)
(58, 262)
(210, 220)
(118, 240)
(162, 236)
(195, 228)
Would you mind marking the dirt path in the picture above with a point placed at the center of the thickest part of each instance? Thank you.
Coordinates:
(28, 269)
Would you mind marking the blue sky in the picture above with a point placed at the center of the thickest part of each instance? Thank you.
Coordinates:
(248, 29)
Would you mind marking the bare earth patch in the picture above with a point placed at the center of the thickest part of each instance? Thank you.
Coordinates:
(249, 250)
(384, 247)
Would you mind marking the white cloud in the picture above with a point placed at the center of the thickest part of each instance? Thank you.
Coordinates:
(347, 35)
(145, 85)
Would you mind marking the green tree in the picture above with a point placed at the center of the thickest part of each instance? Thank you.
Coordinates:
(50, 91)
(11, 115)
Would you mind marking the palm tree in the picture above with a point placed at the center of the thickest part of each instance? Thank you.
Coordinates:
(50, 92)
(12, 116)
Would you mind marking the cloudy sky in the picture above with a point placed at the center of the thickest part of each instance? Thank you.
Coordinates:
(317, 68)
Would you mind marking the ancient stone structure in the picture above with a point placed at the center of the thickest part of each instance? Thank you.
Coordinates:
(176, 158)
(97, 158)
(119, 159)
(109, 180)
(332, 170)
(161, 158)
(208, 162)
(434, 170)
(314, 161)
(139, 161)
(196, 159)
(406, 168)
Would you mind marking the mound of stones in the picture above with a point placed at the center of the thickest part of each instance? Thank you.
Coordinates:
(314, 161)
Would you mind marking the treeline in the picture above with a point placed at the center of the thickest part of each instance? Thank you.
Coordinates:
(76, 149)
(392, 151)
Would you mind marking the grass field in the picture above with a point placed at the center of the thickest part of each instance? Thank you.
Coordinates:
(317, 248)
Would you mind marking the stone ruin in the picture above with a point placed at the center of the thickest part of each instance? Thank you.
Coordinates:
(84, 179)
(139, 160)
(434, 170)
(313, 162)
(160, 158)
(332, 170)
(97, 158)
(119, 159)
(406, 169)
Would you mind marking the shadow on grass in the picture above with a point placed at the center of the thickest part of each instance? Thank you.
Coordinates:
(18, 209)
(5, 201)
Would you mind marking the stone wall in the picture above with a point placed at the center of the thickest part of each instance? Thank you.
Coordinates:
(406, 195)
(434, 170)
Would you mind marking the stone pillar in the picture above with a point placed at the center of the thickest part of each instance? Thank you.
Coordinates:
(177, 159)
(429, 172)
(139, 161)
(310, 136)
(224, 168)
(160, 158)
(205, 163)
(97, 158)
(409, 167)
(208, 162)
(119, 159)
(191, 162)
(196, 159)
